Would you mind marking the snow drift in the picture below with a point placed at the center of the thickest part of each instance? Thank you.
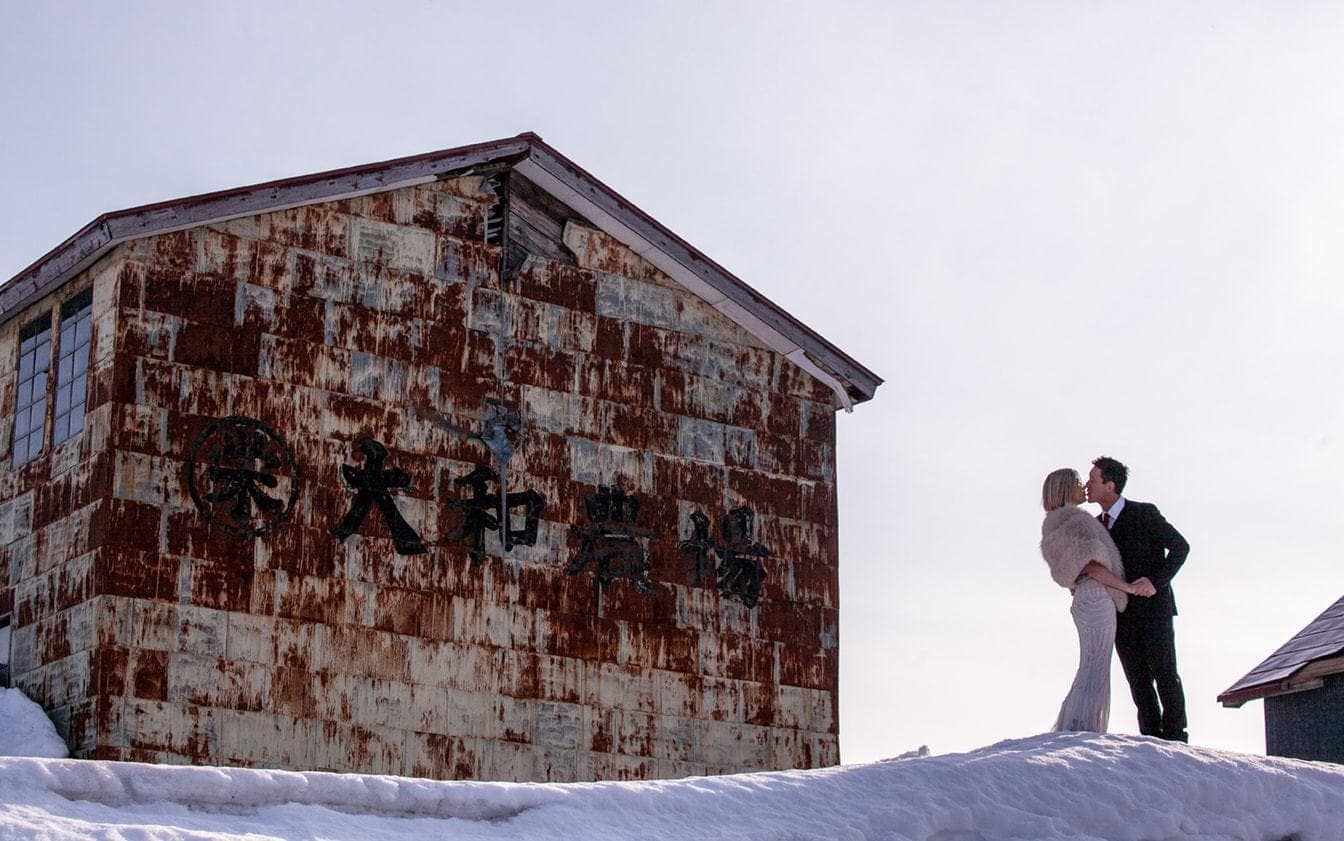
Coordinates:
(25, 730)
(1060, 785)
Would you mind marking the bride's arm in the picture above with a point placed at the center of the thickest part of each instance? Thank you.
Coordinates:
(1110, 579)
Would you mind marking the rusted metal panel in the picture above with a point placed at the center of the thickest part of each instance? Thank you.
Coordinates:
(384, 318)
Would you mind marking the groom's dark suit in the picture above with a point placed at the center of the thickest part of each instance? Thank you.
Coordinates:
(1144, 638)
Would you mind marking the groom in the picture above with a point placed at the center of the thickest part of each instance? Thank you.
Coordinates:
(1144, 637)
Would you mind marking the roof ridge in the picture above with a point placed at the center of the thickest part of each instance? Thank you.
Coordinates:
(570, 183)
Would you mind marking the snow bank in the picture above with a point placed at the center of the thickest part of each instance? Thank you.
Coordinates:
(25, 729)
(1076, 786)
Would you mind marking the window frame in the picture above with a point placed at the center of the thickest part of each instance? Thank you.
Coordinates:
(38, 331)
(77, 312)
(53, 323)
(6, 650)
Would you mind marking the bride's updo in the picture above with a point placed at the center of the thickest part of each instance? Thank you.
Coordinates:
(1055, 491)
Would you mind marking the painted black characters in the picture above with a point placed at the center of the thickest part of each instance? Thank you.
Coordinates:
(611, 542)
(242, 477)
(740, 571)
(484, 511)
(244, 480)
(700, 548)
(373, 486)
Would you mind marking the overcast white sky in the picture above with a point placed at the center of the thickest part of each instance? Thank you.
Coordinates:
(1055, 229)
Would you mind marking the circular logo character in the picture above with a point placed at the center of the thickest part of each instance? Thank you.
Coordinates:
(242, 477)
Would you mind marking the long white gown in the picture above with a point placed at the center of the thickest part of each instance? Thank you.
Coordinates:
(1088, 705)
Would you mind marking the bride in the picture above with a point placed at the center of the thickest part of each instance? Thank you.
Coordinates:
(1083, 559)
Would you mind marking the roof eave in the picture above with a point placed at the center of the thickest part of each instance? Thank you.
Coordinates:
(1269, 690)
(604, 207)
(109, 230)
(1310, 675)
(851, 382)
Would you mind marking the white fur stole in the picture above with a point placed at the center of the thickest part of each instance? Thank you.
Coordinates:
(1070, 537)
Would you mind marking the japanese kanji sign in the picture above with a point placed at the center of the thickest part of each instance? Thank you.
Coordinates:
(242, 477)
(484, 511)
(740, 570)
(244, 480)
(373, 486)
(611, 542)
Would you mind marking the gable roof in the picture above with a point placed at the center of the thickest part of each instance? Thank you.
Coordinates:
(852, 382)
(1300, 663)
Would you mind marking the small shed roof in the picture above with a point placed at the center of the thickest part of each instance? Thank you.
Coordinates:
(1312, 654)
(852, 382)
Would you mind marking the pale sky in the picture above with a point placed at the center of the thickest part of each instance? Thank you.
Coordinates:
(1056, 230)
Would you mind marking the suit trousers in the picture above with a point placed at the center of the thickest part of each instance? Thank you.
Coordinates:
(1147, 649)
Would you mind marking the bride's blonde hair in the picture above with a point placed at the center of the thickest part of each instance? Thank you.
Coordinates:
(1055, 491)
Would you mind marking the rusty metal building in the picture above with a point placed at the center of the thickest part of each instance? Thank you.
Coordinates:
(455, 466)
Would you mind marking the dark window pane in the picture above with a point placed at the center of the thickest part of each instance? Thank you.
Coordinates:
(71, 378)
(30, 397)
(73, 306)
(35, 330)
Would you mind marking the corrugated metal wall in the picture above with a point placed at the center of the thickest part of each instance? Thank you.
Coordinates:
(154, 632)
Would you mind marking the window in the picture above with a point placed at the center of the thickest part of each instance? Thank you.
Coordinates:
(4, 652)
(35, 386)
(30, 401)
(72, 369)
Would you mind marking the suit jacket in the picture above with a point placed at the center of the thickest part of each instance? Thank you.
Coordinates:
(1150, 548)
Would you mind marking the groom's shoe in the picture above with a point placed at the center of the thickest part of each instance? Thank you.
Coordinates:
(1176, 736)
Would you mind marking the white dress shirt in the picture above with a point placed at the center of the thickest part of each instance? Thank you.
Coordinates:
(1115, 510)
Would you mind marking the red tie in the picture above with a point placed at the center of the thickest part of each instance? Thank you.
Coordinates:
(1106, 520)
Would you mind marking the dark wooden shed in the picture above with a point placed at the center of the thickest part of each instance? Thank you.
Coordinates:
(1303, 687)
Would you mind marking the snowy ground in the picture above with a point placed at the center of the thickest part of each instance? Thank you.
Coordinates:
(1058, 785)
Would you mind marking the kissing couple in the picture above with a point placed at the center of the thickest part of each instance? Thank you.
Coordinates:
(1128, 550)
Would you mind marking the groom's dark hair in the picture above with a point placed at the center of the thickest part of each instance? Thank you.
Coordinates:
(1112, 471)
